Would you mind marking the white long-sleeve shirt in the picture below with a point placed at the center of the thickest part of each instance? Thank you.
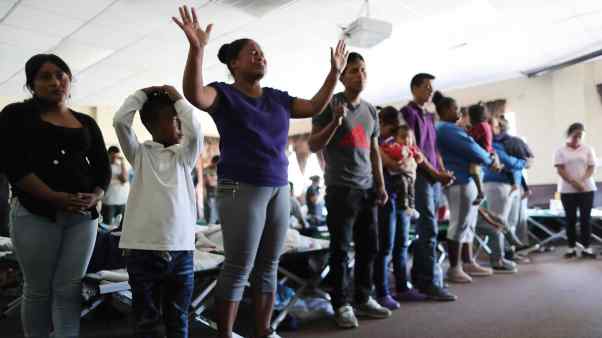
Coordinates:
(161, 208)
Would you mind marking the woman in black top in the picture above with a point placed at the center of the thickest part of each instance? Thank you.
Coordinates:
(56, 162)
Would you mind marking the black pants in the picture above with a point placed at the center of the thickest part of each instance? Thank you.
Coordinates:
(4, 206)
(352, 217)
(584, 202)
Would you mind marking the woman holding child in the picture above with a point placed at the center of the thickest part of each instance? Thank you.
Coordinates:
(460, 152)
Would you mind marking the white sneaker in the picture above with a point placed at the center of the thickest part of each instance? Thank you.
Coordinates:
(273, 334)
(372, 309)
(345, 318)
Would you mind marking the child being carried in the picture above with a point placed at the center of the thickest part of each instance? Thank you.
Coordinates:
(404, 150)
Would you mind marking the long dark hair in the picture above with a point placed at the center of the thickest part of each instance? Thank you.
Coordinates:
(33, 65)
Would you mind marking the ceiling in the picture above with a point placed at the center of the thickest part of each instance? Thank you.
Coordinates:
(117, 46)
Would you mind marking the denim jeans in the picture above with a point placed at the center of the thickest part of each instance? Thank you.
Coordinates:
(53, 257)
(160, 281)
(352, 217)
(393, 233)
(425, 271)
(211, 213)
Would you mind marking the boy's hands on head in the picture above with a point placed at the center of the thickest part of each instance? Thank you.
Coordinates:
(173, 93)
(149, 90)
(170, 91)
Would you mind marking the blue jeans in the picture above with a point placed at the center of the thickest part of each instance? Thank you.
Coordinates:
(425, 268)
(394, 232)
(160, 280)
(53, 257)
(211, 213)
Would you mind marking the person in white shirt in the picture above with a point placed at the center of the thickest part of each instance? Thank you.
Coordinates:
(158, 228)
(113, 203)
(576, 163)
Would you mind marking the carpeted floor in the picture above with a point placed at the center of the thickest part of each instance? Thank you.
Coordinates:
(550, 298)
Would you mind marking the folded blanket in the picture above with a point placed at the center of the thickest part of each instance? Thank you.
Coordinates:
(6, 244)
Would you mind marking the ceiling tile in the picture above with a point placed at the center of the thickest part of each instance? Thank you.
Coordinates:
(25, 38)
(79, 56)
(42, 21)
(76, 9)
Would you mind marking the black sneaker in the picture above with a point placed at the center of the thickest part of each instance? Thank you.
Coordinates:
(570, 254)
(438, 294)
(588, 254)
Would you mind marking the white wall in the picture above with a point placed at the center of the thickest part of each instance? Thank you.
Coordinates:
(545, 106)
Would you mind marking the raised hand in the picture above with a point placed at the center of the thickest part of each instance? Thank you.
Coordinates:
(338, 57)
(197, 37)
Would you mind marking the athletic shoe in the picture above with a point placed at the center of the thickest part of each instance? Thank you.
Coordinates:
(588, 254)
(388, 302)
(457, 275)
(345, 318)
(571, 253)
(272, 334)
(410, 295)
(438, 294)
(504, 267)
(475, 270)
(371, 309)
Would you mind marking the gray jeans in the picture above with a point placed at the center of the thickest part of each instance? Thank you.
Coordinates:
(53, 257)
(254, 225)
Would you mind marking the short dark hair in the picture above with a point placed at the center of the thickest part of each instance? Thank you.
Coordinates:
(419, 78)
(389, 115)
(33, 65)
(404, 128)
(477, 113)
(442, 102)
(351, 58)
(156, 103)
(113, 150)
(577, 126)
(228, 52)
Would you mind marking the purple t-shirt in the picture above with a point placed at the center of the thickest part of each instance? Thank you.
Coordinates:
(423, 125)
(253, 135)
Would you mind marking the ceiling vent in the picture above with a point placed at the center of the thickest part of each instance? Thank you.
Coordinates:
(256, 8)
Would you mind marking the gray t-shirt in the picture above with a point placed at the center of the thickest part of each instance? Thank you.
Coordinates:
(347, 154)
